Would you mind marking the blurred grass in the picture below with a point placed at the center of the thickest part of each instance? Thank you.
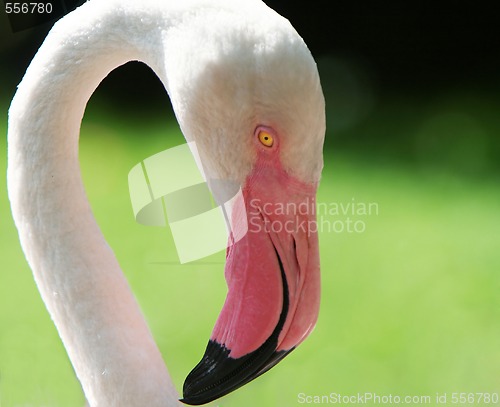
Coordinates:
(410, 306)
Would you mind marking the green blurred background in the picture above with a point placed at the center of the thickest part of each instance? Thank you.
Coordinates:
(410, 306)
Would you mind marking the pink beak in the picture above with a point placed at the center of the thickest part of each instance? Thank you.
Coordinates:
(273, 285)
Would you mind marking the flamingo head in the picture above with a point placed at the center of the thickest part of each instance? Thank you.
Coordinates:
(252, 102)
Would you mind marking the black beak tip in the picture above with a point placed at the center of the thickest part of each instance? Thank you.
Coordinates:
(205, 382)
(218, 374)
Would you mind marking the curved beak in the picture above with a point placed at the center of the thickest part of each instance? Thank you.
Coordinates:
(273, 286)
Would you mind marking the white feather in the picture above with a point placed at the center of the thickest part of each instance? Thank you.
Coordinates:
(228, 66)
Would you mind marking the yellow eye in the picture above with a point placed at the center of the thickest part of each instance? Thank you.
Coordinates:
(266, 138)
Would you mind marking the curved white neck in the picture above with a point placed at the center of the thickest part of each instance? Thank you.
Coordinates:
(98, 319)
(228, 70)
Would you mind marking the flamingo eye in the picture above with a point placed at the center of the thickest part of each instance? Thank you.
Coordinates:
(266, 139)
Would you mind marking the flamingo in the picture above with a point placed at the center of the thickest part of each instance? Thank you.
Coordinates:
(246, 90)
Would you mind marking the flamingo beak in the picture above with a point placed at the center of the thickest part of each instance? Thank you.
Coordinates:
(273, 286)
